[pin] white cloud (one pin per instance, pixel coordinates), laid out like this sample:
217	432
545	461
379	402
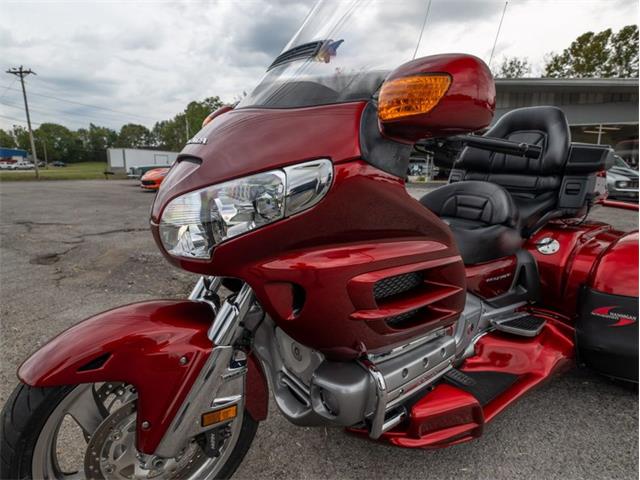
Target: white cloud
151	58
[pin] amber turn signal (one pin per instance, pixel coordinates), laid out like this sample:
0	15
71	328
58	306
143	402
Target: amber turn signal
217	416
414	95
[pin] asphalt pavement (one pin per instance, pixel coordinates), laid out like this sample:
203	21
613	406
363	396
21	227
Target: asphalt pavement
70	249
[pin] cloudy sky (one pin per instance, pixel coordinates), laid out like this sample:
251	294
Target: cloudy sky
114	62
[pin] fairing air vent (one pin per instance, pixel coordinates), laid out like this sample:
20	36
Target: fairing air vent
407	299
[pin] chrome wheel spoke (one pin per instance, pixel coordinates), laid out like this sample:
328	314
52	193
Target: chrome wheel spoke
126	462
87	411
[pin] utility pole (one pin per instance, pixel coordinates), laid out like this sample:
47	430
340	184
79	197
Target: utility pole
21	72
186	125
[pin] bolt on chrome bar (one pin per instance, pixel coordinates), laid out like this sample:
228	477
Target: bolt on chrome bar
223	330
377	422
204	286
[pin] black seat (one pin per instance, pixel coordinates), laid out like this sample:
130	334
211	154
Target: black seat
482	216
534	184
494	199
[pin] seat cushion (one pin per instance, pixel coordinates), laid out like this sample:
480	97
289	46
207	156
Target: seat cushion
482	202
485	243
482	216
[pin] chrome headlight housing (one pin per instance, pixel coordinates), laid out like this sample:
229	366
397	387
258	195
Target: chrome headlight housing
622	184
194	223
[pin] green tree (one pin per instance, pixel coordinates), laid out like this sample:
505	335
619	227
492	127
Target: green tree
513	67
172	134
101	138
603	54
62	144
196	112
6	139
623	62
95	140
134	136
21	137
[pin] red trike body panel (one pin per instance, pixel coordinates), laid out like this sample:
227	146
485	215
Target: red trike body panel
140	344
490	279
591	253
448	415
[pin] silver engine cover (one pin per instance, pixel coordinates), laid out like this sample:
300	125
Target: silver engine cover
310	390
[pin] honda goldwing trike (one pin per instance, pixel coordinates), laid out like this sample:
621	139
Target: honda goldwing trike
326	286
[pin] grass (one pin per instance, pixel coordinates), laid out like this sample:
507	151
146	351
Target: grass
73	171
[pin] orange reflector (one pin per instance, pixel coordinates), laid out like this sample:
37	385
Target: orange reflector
218	416
414	95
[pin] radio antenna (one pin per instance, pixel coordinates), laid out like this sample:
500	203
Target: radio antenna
495	42
426	15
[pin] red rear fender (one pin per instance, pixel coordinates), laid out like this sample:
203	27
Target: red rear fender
141	344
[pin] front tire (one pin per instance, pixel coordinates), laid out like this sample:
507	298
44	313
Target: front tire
32	415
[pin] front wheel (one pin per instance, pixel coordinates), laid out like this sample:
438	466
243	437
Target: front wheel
88	431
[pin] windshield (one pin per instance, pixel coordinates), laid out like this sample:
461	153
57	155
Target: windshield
345	48
335	56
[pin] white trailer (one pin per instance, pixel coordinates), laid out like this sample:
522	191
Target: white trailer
126	159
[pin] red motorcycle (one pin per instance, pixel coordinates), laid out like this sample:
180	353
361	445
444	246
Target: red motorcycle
409	322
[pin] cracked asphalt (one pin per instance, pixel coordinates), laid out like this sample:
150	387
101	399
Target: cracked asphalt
70	249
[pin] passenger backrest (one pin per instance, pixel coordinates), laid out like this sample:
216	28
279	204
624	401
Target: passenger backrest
521	176
534	184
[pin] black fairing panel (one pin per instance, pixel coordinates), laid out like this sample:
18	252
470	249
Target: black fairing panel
607	334
387	155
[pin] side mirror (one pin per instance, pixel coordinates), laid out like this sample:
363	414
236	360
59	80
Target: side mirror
439	95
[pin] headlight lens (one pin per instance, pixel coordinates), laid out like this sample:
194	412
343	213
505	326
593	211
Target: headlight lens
194	223
622	184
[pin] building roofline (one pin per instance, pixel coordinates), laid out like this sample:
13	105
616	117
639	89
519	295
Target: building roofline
569	82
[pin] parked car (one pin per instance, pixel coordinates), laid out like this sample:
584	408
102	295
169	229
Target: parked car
628	151
622	180
59	164
22	165
152	179
138	172
7	165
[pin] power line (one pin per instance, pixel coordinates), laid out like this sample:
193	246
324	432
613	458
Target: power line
6	89
17	119
89	105
91	116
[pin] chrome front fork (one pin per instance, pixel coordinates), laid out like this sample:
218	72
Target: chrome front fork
220	384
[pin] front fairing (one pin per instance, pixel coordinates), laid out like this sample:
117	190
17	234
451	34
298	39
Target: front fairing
246	141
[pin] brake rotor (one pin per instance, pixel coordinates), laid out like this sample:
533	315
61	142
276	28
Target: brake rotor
111	453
